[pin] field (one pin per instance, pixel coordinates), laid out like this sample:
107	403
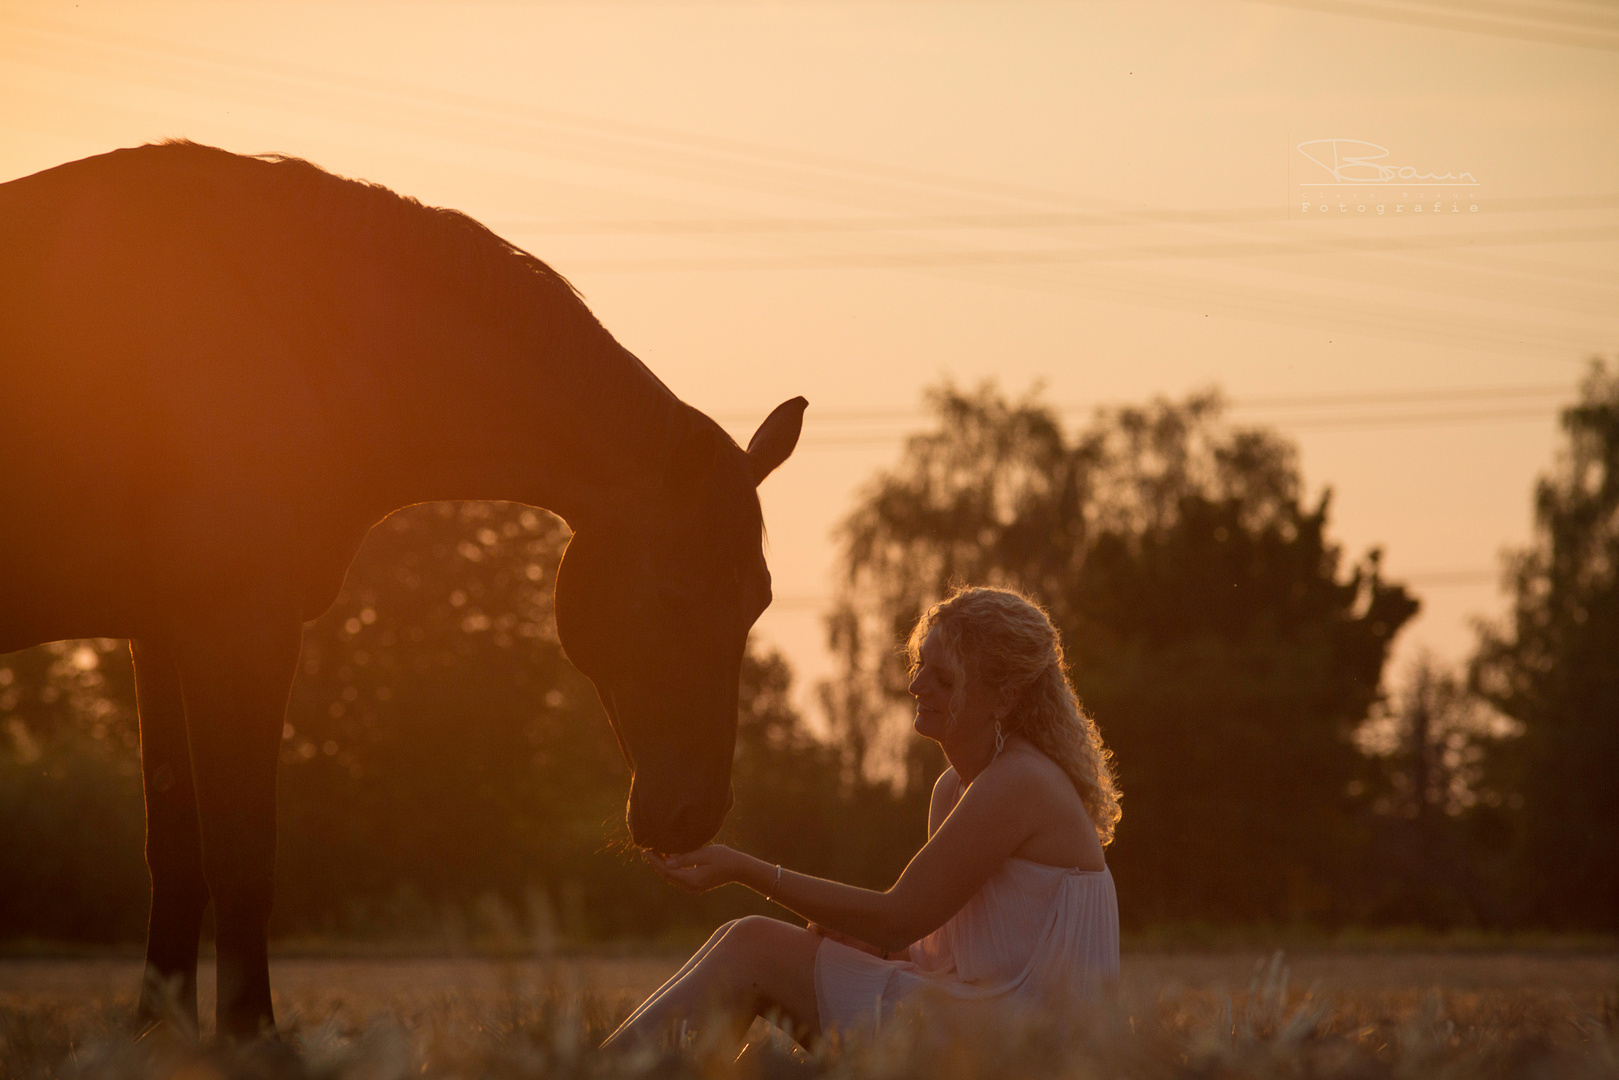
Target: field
1215	1014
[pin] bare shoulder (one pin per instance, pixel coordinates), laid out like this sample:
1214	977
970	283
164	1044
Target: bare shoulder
1024	774
1035	789
1021	763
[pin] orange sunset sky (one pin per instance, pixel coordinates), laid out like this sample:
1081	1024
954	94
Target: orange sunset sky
852	201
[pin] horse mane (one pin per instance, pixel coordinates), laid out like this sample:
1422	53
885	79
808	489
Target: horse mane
471	263
465	256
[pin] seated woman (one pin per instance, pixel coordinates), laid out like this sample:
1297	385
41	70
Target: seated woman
1009	901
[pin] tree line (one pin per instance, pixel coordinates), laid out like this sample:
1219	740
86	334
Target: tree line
446	775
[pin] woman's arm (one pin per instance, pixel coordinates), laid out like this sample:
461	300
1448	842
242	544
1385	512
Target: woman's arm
991	819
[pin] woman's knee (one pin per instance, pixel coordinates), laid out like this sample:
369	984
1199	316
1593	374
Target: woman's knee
743	942
714	939
754	930
775	960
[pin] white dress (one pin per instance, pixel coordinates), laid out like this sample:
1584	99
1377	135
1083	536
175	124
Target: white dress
1034	935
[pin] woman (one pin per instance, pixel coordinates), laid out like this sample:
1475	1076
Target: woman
1010	899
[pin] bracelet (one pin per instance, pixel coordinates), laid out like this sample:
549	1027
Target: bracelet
770	894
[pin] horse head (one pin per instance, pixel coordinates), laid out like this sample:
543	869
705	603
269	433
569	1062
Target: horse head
654	600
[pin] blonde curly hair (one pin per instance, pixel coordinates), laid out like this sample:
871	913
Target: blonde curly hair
1009	640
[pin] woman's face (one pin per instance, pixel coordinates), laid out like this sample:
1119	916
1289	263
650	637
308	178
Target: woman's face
934	685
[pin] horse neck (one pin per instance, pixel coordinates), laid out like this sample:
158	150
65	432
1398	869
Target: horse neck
567	420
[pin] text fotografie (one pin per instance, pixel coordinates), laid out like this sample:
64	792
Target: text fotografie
1399	208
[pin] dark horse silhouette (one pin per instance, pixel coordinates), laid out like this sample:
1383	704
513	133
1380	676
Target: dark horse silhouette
218	372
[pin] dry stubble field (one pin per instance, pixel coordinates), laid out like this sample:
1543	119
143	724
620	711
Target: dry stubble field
1320	1014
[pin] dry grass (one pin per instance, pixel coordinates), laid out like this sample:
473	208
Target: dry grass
1203	1015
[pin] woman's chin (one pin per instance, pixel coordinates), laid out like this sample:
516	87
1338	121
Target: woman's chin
929	726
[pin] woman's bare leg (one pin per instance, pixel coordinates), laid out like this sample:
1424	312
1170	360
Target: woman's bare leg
756	964
713	940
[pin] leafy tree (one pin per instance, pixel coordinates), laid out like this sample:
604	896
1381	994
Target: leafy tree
70	794
1553	665
1438	820
438	746
1200	602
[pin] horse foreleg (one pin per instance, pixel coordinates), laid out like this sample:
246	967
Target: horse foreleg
173	844
236	666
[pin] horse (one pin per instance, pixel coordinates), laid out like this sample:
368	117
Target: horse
218	372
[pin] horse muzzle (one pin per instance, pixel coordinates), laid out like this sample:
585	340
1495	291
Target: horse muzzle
676	822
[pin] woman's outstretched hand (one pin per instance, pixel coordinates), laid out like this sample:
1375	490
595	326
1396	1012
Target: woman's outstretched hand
701	870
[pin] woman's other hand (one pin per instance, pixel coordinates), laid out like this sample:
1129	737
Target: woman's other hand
701	870
845	939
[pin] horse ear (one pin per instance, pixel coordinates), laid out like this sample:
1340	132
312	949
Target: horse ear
776	437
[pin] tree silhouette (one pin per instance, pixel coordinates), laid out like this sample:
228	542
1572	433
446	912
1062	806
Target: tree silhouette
1204	616
1553	665
1438	819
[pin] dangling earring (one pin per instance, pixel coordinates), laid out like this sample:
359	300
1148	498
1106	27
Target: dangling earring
1000	740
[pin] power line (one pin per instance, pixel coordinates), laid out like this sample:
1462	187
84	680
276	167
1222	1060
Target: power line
286	75
292	77
1436	579
1333	423
416	96
1426	395
814	439
1564	299
1429	579
983	221
1296	308
675	151
719	160
1006	256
